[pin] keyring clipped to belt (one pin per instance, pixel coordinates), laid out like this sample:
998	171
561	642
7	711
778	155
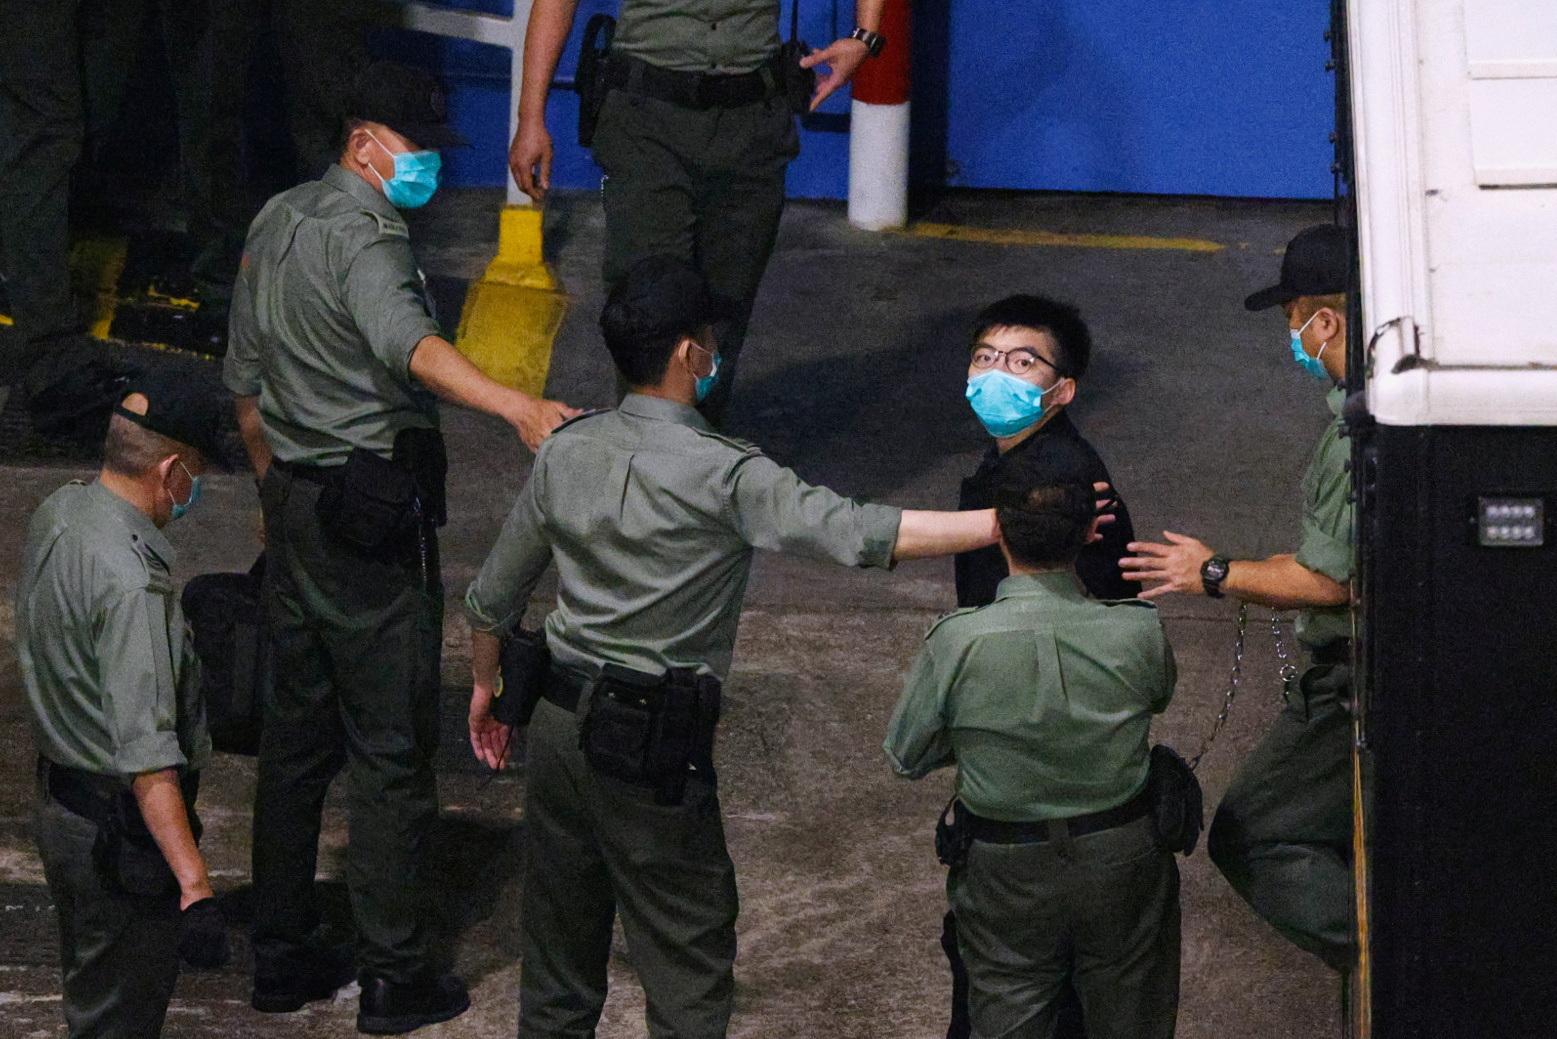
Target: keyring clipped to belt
1286	670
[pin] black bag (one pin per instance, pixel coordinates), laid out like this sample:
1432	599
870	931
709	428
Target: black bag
952	838
225	613
523	661
77	405
798	83
372	503
1178	807
126	856
590	81
651	730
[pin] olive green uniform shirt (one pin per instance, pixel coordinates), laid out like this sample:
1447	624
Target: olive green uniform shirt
1329	541
715	36
1043	699
326	312
651	518
110	674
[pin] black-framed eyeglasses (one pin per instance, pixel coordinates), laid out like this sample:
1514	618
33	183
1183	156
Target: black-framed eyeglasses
1018	361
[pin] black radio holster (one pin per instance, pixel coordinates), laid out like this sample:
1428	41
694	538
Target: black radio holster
651	730
952	837
523	661
590	81
1177	804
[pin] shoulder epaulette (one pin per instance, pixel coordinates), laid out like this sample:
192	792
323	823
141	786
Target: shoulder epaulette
1129	602
388	225
943	618
580	418
746	447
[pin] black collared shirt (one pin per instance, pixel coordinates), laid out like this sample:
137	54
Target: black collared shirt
1057	452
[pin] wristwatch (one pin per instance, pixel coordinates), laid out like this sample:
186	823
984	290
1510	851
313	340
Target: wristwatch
1212	573
873	41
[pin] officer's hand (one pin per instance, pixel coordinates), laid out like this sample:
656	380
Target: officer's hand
535	419
203	945
1176	565
1105	506
489	738
842	59
529	159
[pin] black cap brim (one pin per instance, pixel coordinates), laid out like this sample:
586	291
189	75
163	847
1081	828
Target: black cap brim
431	136
1275	296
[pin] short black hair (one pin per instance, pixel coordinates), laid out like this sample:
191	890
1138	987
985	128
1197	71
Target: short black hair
1045	525
1041	314
655	305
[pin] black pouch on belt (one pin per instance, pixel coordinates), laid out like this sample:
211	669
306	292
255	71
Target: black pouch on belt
590	81
798	83
618	730
683	738
1178	807
125	855
523	661
420	451
371	504
952	838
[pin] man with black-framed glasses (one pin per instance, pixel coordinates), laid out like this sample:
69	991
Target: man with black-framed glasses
1027	355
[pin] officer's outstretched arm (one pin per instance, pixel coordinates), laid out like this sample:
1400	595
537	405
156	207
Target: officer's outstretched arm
448	373
922	535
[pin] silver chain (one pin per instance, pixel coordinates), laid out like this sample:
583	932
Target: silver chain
1232	687
1286	670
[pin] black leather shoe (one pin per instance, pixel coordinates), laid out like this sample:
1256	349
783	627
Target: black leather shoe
284	984
392	1007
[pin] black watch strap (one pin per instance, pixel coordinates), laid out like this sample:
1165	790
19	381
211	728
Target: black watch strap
1212	573
873	41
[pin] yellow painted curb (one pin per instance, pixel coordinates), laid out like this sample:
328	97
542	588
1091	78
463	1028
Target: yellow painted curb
994	236
512	314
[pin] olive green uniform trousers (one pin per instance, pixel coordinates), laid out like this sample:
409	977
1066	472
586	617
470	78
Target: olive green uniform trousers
356	645
1102	909
118	953
1282	835
598	848
705	186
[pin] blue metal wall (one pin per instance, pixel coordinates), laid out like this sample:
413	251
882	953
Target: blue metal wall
1207	97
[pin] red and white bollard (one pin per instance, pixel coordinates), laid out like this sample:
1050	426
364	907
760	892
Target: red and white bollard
878	130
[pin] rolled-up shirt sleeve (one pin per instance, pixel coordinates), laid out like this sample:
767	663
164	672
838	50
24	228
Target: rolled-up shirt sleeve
140	698
241	368
385	296
917	742
497	598
1327	546
775	509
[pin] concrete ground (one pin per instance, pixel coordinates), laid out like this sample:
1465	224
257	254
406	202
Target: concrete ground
853	375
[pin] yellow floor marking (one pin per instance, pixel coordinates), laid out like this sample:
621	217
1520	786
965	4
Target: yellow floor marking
994	236
97	263
5	319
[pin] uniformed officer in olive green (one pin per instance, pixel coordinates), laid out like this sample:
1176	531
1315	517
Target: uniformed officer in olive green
694	138
113	691
651	518
1283	833
1043	701
334	354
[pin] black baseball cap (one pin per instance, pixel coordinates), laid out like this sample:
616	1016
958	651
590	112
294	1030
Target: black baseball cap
661	296
407	100
182	409
1318	262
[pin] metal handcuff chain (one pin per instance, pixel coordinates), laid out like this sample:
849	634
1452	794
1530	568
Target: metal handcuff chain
1286	670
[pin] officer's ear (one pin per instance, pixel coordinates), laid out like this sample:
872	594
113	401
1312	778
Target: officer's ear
1327	324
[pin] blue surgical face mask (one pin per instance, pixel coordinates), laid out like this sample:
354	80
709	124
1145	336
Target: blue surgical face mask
179	508
1312	365
705	385
415	179
1005	404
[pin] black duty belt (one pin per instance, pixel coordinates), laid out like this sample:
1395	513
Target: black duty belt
86	794
697	90
564	687
993	831
1338	651
323	475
